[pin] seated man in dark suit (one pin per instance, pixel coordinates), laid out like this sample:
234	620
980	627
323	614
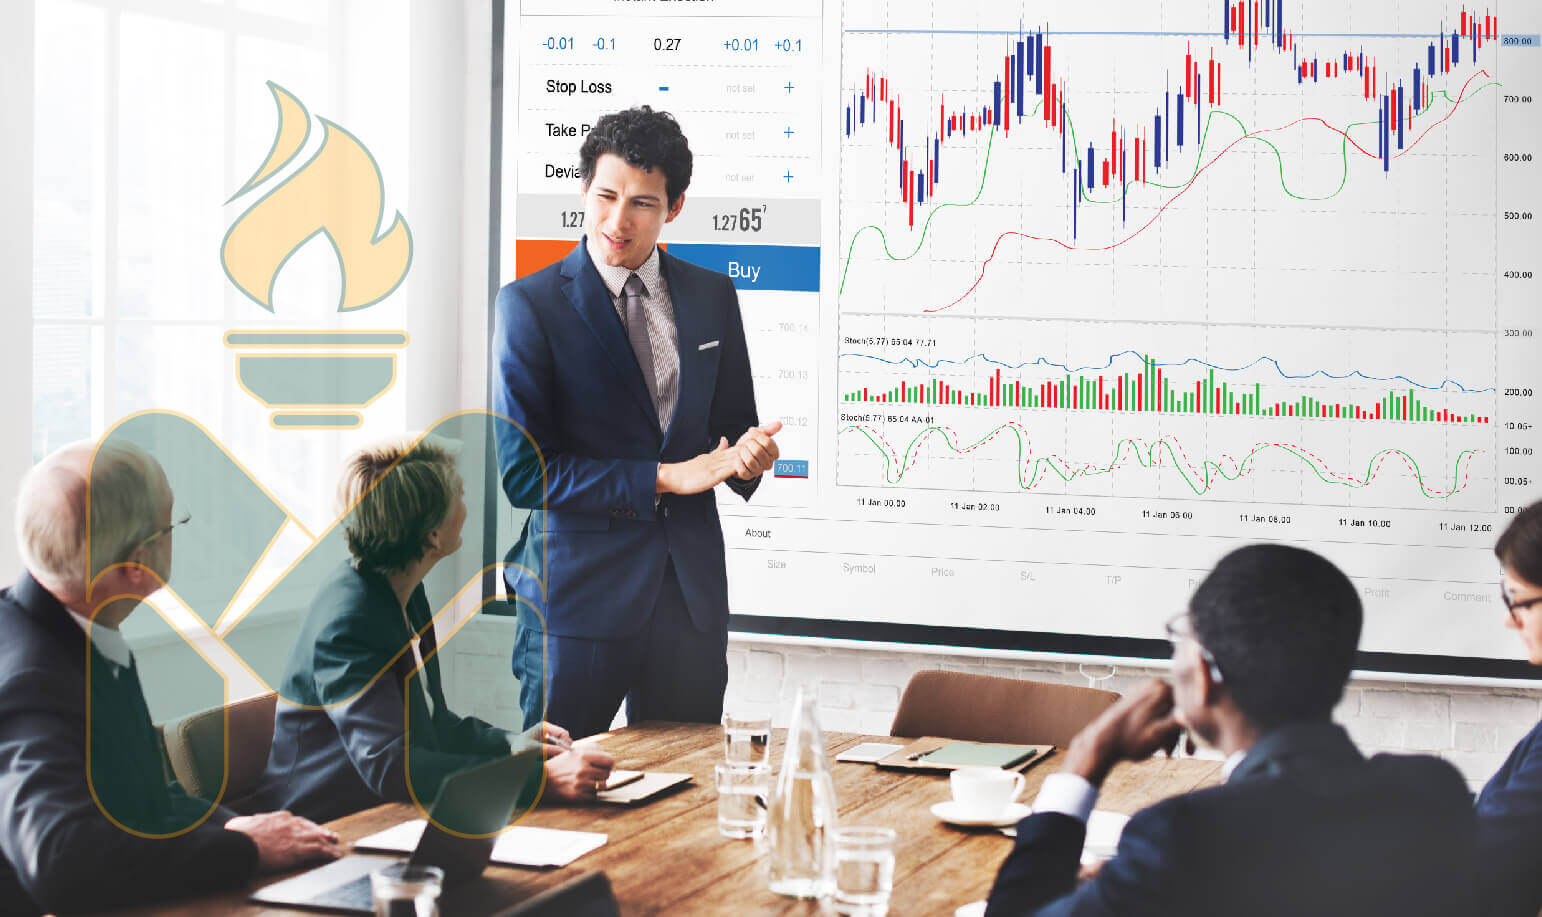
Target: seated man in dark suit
1304	824
350	703
73	825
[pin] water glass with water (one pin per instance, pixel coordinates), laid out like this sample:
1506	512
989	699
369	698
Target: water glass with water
746	738
406	890
741	794
864	870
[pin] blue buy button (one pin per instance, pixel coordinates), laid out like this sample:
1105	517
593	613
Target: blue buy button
793	268
791	468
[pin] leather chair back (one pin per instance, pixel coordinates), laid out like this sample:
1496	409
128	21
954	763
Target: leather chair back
195	747
985	708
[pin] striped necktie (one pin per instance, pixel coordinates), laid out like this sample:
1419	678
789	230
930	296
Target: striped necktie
637	333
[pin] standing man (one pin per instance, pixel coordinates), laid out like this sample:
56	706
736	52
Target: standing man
628	372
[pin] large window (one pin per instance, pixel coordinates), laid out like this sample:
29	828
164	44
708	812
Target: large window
149	116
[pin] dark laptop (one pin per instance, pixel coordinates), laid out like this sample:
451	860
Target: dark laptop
589	895
473	804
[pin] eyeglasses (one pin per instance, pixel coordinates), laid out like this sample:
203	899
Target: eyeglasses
1511	605
1182	631
163	530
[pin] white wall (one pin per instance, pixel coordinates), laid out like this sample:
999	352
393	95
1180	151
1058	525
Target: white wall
1472	727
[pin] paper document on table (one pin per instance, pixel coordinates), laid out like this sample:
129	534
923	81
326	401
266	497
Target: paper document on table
649	786
518	846
868	753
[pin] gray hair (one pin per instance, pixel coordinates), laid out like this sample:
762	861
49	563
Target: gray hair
61	514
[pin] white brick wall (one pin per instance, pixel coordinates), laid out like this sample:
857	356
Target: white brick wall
859	689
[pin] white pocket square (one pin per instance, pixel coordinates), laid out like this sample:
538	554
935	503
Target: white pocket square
708	346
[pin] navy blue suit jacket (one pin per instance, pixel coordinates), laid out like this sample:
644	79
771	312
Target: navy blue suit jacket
567	376
1305	825
61	853
1510	832
350	705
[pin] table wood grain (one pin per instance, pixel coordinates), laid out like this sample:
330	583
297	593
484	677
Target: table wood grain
666	856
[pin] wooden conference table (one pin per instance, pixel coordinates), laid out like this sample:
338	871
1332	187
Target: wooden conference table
666	855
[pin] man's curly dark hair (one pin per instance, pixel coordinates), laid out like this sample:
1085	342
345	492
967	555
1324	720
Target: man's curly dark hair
644	138
1283	624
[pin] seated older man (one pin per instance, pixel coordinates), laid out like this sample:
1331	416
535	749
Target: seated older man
89	822
362	683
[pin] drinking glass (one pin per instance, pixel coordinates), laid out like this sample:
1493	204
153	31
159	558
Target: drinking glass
741	794
864	870
746	738
406	890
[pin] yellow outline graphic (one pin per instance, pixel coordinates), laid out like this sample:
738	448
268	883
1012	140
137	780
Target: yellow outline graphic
223	627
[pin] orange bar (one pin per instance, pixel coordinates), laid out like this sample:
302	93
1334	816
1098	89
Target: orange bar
531	255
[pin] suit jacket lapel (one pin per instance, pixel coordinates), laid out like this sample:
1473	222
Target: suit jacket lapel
589	297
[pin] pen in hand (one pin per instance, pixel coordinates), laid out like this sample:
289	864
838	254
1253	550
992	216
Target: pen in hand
555	738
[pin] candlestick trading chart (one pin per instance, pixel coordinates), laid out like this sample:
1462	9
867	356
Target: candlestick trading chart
1107	290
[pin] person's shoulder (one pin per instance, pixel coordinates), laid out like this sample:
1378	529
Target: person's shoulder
1529	748
27	642
1434	779
537	283
345	594
36	668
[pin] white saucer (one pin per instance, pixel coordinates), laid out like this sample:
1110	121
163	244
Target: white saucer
1011	815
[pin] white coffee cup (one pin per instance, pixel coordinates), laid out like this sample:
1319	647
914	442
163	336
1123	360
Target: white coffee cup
983	792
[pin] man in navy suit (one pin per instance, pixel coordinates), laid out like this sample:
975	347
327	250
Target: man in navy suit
1303	824
626	369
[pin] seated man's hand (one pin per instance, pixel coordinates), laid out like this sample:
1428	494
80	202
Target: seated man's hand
285	841
703	472
579	773
1131	730
554	738
757	451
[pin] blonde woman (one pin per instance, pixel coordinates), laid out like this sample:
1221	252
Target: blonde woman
344	747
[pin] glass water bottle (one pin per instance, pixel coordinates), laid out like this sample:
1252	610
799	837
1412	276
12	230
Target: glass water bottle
802	810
